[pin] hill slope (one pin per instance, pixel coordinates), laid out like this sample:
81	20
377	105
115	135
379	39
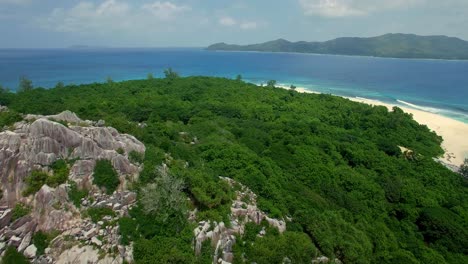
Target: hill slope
389	45
330	167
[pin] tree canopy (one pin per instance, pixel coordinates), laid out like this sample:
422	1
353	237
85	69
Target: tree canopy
330	165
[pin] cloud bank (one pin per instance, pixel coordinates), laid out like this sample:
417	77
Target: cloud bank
346	8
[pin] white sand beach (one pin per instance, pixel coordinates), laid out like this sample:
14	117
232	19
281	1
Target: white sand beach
453	132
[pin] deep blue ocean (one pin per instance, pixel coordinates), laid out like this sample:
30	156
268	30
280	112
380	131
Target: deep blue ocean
438	86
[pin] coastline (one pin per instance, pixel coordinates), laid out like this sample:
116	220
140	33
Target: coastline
452	131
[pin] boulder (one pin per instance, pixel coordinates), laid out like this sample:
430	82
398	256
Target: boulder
30	252
91	233
25	242
5	218
96	241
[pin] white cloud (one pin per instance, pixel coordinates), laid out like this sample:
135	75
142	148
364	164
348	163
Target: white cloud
110	16
249	25
227	21
344	8
165	10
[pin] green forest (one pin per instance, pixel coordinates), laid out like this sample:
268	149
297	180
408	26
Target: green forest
332	166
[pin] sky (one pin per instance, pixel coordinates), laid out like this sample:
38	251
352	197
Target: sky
198	23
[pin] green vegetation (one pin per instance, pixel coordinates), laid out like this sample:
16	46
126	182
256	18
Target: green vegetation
8	118
170	74
388	45
105	176
164	198
42	240
60	175
271	83
12	256
464	169
136	157
60	85
75	195
274	248
19	211
330	164
97	213
128	230
25	84
34	182
37	179
121	151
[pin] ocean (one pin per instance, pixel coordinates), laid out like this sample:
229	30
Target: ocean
438	86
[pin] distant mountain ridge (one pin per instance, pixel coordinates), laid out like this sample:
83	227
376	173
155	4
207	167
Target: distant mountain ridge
388	45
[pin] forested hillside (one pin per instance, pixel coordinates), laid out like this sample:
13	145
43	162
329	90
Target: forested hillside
388	45
330	165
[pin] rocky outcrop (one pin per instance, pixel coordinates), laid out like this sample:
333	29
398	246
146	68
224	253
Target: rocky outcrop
40	140
35	144
243	210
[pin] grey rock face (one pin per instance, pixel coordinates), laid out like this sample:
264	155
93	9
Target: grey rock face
243	210
39	142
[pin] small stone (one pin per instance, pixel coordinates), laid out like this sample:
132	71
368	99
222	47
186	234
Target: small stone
5	218
100	123
96	241
15	241
100	223
92	232
121	250
30	251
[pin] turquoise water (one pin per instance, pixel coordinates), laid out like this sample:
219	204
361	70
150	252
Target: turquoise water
437	86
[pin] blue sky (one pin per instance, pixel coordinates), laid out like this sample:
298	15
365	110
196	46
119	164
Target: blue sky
163	23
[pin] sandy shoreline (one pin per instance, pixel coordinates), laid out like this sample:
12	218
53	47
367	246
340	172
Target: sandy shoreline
453	132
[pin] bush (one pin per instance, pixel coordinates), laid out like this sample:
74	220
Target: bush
75	195
105	176
42	240
128	230
19	211
165	197
8	118
97	213
34	182
136	157
12	256
60	175
38	178
121	151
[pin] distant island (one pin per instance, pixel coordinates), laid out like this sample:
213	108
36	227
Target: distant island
388	45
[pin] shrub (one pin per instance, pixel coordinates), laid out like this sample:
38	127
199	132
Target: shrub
164	198
38	178
25	84
12	256
136	157
127	229
97	213
42	240
60	175
105	176
170	74
8	118
75	195
19	211
34	182
121	151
